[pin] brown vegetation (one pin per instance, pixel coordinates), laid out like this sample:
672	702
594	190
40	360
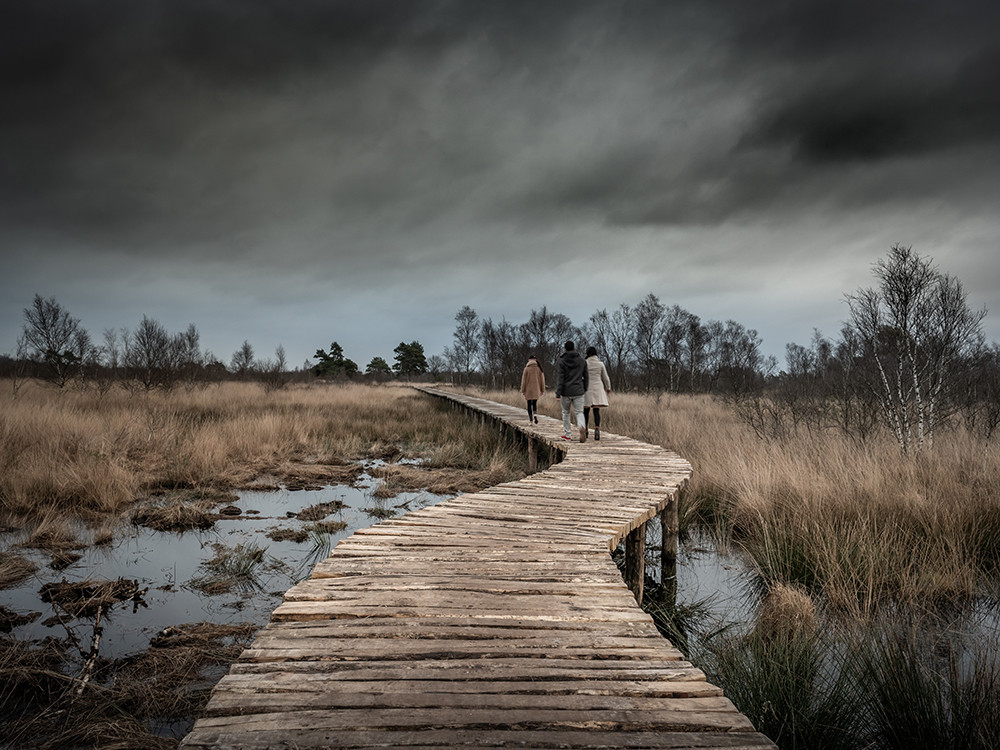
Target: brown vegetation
46	706
91	456
857	524
320	510
14	569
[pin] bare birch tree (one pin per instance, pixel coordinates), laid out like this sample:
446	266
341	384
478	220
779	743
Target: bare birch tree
917	331
466	348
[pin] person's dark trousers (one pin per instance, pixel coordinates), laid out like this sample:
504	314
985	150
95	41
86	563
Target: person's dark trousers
532	408
597	416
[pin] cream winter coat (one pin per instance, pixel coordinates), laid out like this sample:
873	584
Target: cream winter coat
599	383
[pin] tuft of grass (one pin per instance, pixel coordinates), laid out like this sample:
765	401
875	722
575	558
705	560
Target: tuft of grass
327	527
320	511
175	513
288	535
789	684
925	691
678	622
14	569
86	598
236	567
52	533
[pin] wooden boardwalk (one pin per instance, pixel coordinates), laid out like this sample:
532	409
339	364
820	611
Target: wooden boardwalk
495	619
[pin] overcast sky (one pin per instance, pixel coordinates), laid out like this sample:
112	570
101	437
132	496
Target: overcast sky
310	171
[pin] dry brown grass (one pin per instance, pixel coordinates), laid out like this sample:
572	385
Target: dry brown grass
41	706
858	524
52	532
91	457
14	569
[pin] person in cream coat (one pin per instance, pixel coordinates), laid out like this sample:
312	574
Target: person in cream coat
598	388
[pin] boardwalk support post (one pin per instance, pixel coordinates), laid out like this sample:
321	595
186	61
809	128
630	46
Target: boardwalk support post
532	454
669	528
635	560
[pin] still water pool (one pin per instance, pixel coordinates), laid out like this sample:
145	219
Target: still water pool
167	564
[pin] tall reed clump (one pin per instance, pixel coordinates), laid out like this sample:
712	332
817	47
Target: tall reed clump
782	674
924	691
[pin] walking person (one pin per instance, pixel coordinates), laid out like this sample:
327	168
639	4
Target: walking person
532	386
598	388
571	384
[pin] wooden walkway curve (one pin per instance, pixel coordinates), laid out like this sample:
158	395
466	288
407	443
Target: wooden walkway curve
494	619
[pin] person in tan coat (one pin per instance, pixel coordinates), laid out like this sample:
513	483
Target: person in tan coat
598	388
532	386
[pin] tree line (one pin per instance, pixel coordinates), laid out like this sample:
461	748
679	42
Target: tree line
55	347
648	346
910	358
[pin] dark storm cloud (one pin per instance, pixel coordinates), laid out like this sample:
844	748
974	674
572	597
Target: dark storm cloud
186	120
877	80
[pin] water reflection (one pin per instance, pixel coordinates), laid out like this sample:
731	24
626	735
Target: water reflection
171	565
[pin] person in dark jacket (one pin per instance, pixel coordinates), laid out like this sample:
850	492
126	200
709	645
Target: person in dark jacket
572	380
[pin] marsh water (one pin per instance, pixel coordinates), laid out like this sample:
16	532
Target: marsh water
169	564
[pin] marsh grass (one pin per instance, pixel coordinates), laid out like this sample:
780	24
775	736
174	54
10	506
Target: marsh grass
847	541
790	683
860	526
320	511
14	569
238	567
90	457
930	692
41	707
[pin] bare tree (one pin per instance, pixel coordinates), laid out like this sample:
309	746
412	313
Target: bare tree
739	364
274	372
52	335
151	355
621	324
19	370
190	358
466	336
541	337
87	355
242	362
917	330
697	340
648	324
674	331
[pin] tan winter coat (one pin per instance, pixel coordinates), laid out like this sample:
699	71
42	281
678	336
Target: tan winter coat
532	381
598	383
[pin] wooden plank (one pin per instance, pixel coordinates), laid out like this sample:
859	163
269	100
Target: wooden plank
303	737
630	720
325	682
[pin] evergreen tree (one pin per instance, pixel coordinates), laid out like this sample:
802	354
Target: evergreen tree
410	359
334	364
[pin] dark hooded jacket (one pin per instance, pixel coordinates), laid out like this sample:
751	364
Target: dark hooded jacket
571	375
